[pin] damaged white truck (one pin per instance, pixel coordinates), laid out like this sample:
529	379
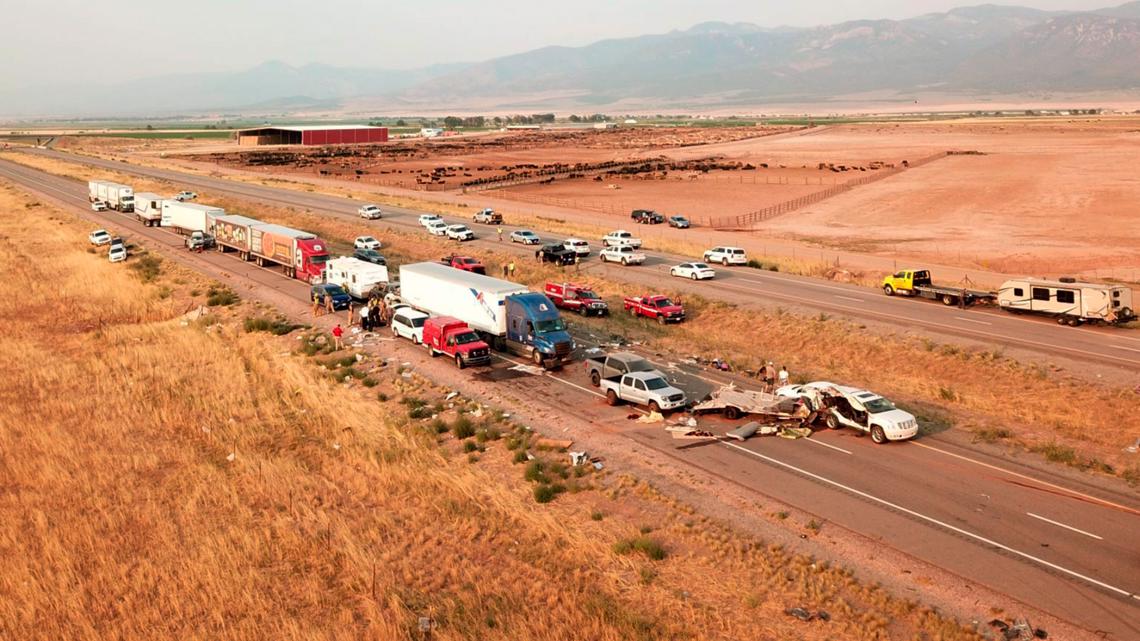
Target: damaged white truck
839	406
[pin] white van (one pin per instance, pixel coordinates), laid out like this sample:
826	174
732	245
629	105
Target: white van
1070	301
356	276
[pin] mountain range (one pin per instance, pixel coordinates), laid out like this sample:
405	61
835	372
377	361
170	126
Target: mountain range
978	50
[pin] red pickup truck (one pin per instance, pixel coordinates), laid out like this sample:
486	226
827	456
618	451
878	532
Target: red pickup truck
657	307
576	298
451	336
466	263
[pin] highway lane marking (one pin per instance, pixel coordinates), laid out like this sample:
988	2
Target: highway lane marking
857	300
930	519
857	311
1087	497
1067	527
970	320
839	449
1131	349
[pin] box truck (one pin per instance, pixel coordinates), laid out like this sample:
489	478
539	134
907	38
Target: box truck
356	276
303	255
118	197
148	208
507	315
185	218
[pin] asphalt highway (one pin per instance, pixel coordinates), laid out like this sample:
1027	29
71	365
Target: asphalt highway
1111	347
1051	541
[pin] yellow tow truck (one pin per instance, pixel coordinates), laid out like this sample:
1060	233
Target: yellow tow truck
917	283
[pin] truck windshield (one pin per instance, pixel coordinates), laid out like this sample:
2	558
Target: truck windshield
319	259
664	302
554	325
585	293
639	365
467	337
878	405
656	383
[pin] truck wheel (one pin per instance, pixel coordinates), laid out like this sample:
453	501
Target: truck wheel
632	311
431	351
948	300
654	407
624	261
583	311
724	261
877	435
611	397
660	319
459	362
536	356
888	290
595	379
731	413
832	421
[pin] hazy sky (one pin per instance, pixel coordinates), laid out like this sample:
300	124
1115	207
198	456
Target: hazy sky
54	41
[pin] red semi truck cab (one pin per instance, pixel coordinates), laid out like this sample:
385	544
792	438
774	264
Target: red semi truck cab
451	336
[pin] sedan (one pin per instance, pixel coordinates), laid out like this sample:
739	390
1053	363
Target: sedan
99	237
437	228
526	237
369	212
680	222
460	232
365	242
695	271
325	291
426	219
98	205
370	256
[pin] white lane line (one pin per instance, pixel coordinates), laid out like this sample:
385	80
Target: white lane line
839	449
1067	527
855	300
970	320
930	519
1131	349
1088	497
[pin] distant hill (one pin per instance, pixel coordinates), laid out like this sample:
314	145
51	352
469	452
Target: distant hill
985	49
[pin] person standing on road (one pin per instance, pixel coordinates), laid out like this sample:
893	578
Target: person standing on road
351	315
769	372
577	263
337	333
366	317
511	269
783	375
504	270
329	309
500	233
316	305
538	255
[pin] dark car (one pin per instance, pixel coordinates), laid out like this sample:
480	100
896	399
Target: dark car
340	298
370	256
646	217
680	222
557	254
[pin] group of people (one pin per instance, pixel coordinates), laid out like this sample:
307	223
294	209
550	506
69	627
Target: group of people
374	314
321	304
774	378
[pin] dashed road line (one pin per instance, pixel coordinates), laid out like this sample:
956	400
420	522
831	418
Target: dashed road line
1067	527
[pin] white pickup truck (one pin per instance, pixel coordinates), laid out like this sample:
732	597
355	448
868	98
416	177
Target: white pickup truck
621	237
643	388
624	254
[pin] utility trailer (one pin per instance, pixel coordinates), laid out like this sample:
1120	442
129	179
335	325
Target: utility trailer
917	283
734	402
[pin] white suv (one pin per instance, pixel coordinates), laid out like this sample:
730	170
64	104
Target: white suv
578	246
840	406
409	323
726	256
365	242
369	212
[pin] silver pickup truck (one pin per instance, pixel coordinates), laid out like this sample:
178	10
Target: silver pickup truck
616	364
649	389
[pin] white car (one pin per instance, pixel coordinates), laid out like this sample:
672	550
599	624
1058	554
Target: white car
525	236
98	205
99	237
578	246
365	242
437	228
695	271
842	406
185	195
621	237
369	212
624	254
408	323
460	232
118	251
426	219
726	256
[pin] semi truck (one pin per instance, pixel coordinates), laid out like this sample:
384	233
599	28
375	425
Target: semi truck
186	218
356	276
117	196
303	255
506	315
1067	300
148	208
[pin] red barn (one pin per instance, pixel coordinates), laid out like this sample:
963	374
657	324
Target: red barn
313	135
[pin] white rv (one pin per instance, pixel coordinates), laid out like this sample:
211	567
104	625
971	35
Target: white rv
1071	302
356	276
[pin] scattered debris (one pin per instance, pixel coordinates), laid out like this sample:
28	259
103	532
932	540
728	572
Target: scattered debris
195	314
554	444
652	417
579	458
1018	630
734	403
450	396
1134	448
529	369
799	613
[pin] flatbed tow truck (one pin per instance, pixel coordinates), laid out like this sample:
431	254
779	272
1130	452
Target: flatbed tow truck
917	283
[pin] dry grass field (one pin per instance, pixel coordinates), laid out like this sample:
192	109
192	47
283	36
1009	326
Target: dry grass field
171	480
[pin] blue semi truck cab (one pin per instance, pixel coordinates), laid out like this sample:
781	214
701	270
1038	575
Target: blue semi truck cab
535	327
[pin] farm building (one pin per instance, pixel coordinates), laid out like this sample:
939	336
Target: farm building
313	135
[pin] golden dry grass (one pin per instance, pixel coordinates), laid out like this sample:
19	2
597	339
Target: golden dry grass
170	480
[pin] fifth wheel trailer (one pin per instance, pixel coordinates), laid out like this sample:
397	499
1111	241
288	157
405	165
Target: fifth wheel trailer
508	315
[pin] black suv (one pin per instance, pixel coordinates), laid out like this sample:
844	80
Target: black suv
646	217
370	256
